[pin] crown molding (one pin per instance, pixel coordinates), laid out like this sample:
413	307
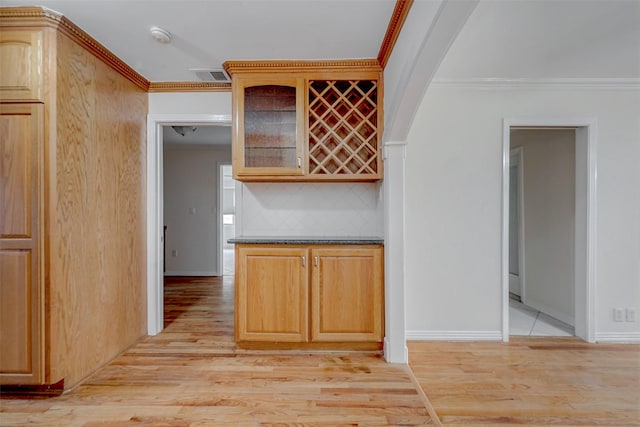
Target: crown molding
538	84
189	87
399	15
43	17
294	66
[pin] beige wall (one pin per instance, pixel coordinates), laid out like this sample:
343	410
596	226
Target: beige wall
191	182
549	211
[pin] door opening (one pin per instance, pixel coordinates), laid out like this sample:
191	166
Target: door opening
155	204
542	190
571	258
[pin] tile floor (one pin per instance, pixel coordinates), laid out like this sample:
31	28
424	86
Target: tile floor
524	320
228	267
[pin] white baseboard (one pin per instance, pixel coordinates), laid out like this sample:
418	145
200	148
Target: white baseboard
191	273
454	335
618	337
563	317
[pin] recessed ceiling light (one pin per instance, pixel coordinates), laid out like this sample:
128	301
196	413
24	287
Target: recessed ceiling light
160	34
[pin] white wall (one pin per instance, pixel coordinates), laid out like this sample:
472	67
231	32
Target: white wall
190	103
190	209
311	209
453	205
549	159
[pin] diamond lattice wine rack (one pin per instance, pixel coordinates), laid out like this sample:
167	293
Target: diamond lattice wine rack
343	127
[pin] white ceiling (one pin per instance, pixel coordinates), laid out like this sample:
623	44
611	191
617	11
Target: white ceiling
208	32
544	39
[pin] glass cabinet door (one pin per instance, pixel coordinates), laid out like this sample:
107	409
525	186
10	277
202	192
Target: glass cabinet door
270	129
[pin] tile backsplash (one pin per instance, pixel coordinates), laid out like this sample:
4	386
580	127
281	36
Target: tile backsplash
311	209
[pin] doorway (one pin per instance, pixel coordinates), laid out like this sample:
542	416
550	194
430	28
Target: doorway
155	204
542	190
576	266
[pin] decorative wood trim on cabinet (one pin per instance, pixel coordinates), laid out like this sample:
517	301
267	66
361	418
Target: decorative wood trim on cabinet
400	13
189	87
40	17
292	67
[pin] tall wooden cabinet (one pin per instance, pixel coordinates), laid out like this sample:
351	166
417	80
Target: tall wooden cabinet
72	179
309	295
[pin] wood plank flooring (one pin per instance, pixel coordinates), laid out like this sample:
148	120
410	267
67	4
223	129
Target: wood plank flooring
191	375
533	381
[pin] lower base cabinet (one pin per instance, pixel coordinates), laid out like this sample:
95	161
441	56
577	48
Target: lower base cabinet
298	296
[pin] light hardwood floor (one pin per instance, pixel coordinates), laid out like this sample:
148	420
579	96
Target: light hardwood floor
191	375
533	381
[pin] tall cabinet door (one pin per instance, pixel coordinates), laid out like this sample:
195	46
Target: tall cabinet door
347	289
271	294
21	337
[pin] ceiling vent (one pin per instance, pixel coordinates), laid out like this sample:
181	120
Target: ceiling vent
212	75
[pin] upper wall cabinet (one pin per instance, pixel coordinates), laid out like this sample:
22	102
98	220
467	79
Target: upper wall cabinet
307	121
21	70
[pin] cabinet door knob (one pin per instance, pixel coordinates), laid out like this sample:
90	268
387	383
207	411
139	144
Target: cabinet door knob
304	261
315	260
299	162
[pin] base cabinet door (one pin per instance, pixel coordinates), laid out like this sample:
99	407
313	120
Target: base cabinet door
346	287
271	294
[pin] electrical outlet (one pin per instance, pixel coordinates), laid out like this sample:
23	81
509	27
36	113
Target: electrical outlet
618	314
174	253
631	314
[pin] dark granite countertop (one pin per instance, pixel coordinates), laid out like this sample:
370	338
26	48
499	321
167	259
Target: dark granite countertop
308	240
